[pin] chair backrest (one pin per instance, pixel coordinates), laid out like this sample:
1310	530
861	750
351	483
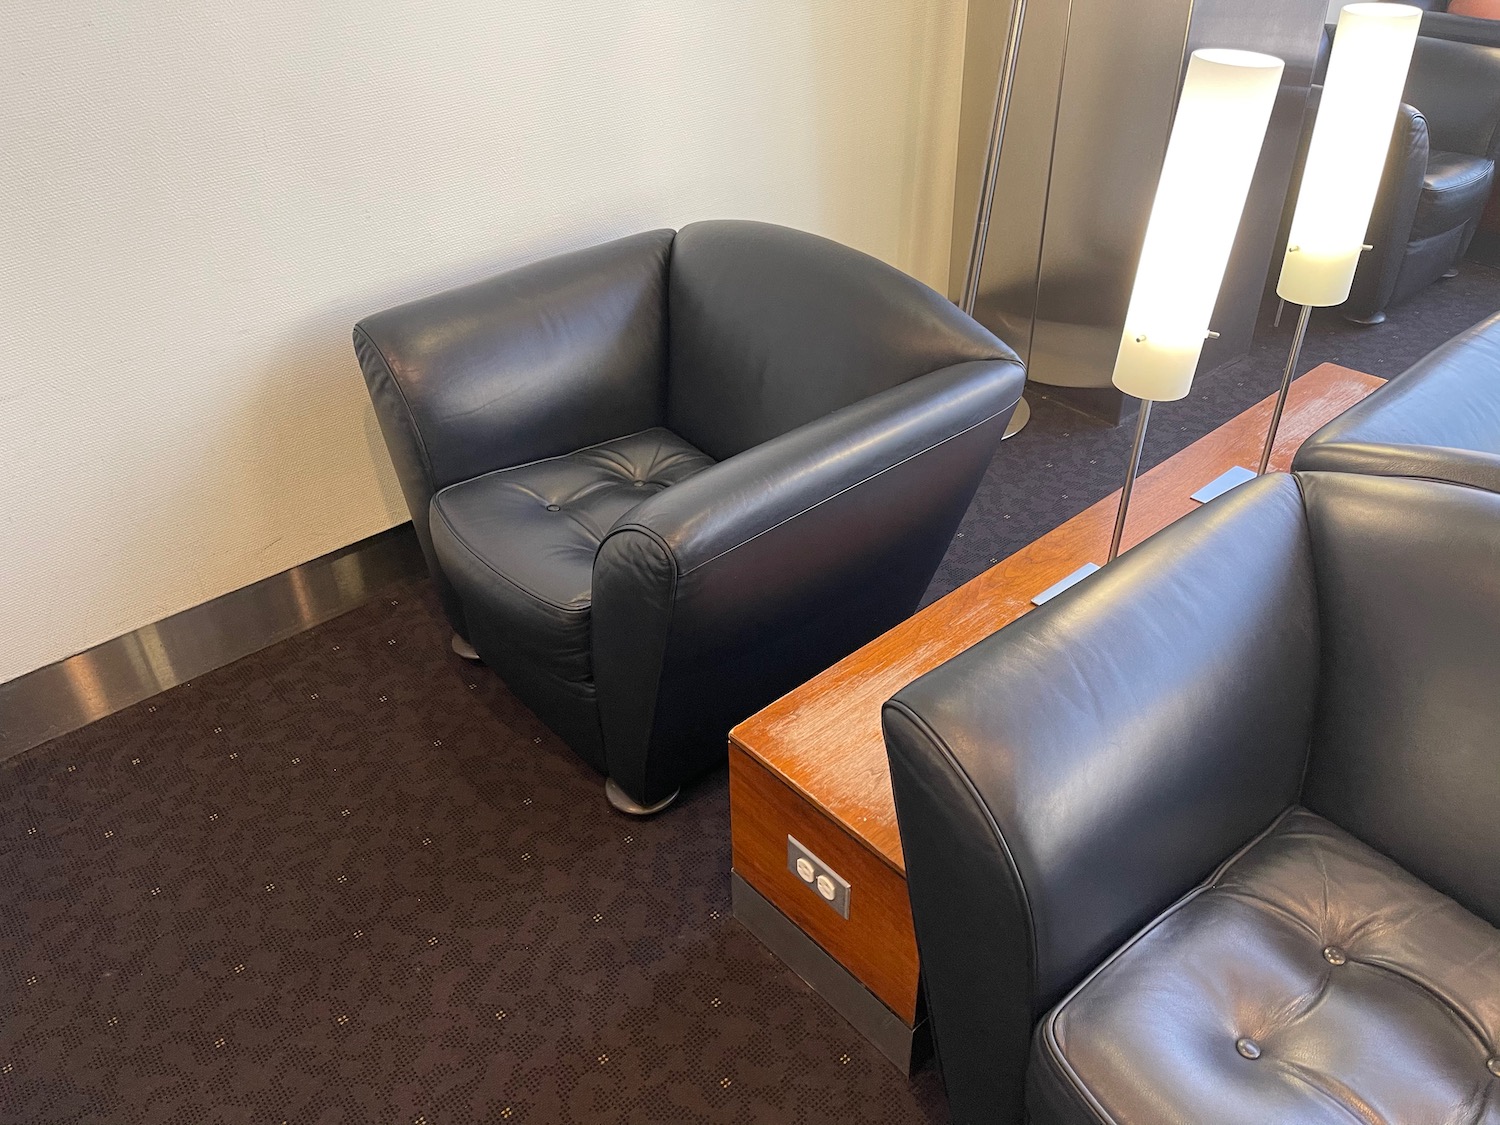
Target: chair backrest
1066	779
1457	88
771	328
1406	745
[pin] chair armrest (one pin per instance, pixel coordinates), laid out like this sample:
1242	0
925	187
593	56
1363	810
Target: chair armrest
1439	419
1395	210
1422	462
766	568
534	363
1066	779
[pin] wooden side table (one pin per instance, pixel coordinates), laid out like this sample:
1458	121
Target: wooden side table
808	775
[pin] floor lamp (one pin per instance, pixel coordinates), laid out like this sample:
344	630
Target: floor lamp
1009	56
1205	179
1366	74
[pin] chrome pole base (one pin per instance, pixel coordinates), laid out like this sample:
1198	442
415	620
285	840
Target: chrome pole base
621	801
1018	420
464	648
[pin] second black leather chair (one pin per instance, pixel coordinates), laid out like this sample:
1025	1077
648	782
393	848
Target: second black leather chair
1211	837
662	481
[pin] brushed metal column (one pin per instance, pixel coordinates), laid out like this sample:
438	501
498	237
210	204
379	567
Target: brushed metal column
1004	88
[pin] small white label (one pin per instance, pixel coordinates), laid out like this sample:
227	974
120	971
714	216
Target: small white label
805	869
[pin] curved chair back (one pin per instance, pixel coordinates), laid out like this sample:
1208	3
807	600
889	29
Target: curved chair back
772	328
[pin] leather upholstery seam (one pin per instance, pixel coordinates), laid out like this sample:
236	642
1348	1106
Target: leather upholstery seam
585	449
825	500
1312	563
1397	474
1480	1033
1474	177
1301	1075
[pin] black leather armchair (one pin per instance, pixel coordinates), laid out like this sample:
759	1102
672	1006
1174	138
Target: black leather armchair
1439	419
1211	837
1437	178
662	481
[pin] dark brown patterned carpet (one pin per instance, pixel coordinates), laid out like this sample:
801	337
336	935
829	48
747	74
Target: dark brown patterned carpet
350	880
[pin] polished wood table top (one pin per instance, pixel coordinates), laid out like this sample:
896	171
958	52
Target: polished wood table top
823	739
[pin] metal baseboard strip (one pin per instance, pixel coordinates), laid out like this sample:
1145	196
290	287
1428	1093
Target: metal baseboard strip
109	677
907	1047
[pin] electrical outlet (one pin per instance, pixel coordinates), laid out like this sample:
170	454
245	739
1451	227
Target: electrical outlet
817	876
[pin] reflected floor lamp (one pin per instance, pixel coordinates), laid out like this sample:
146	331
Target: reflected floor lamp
1010	54
1372	51
1216	140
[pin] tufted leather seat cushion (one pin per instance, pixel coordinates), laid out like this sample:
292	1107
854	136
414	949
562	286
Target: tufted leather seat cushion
538	527
1310	980
1454	192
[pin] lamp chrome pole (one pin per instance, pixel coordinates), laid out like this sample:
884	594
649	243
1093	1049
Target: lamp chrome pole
1004	87
1286	385
1130	472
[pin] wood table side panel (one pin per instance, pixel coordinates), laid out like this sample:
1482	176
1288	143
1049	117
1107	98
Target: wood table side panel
824	738
877	943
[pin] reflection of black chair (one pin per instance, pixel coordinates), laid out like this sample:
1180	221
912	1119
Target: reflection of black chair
662	481
1437	178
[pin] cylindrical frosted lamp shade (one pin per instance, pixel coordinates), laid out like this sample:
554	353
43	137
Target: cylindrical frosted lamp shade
1215	144
1366	74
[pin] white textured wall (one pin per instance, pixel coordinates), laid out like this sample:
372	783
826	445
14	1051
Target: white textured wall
198	199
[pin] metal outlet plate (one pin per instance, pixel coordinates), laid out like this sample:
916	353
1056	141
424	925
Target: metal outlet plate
820	879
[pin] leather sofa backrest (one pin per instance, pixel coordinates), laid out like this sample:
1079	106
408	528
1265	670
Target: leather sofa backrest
771	328
1438	419
1165	707
1456	86
1406	749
